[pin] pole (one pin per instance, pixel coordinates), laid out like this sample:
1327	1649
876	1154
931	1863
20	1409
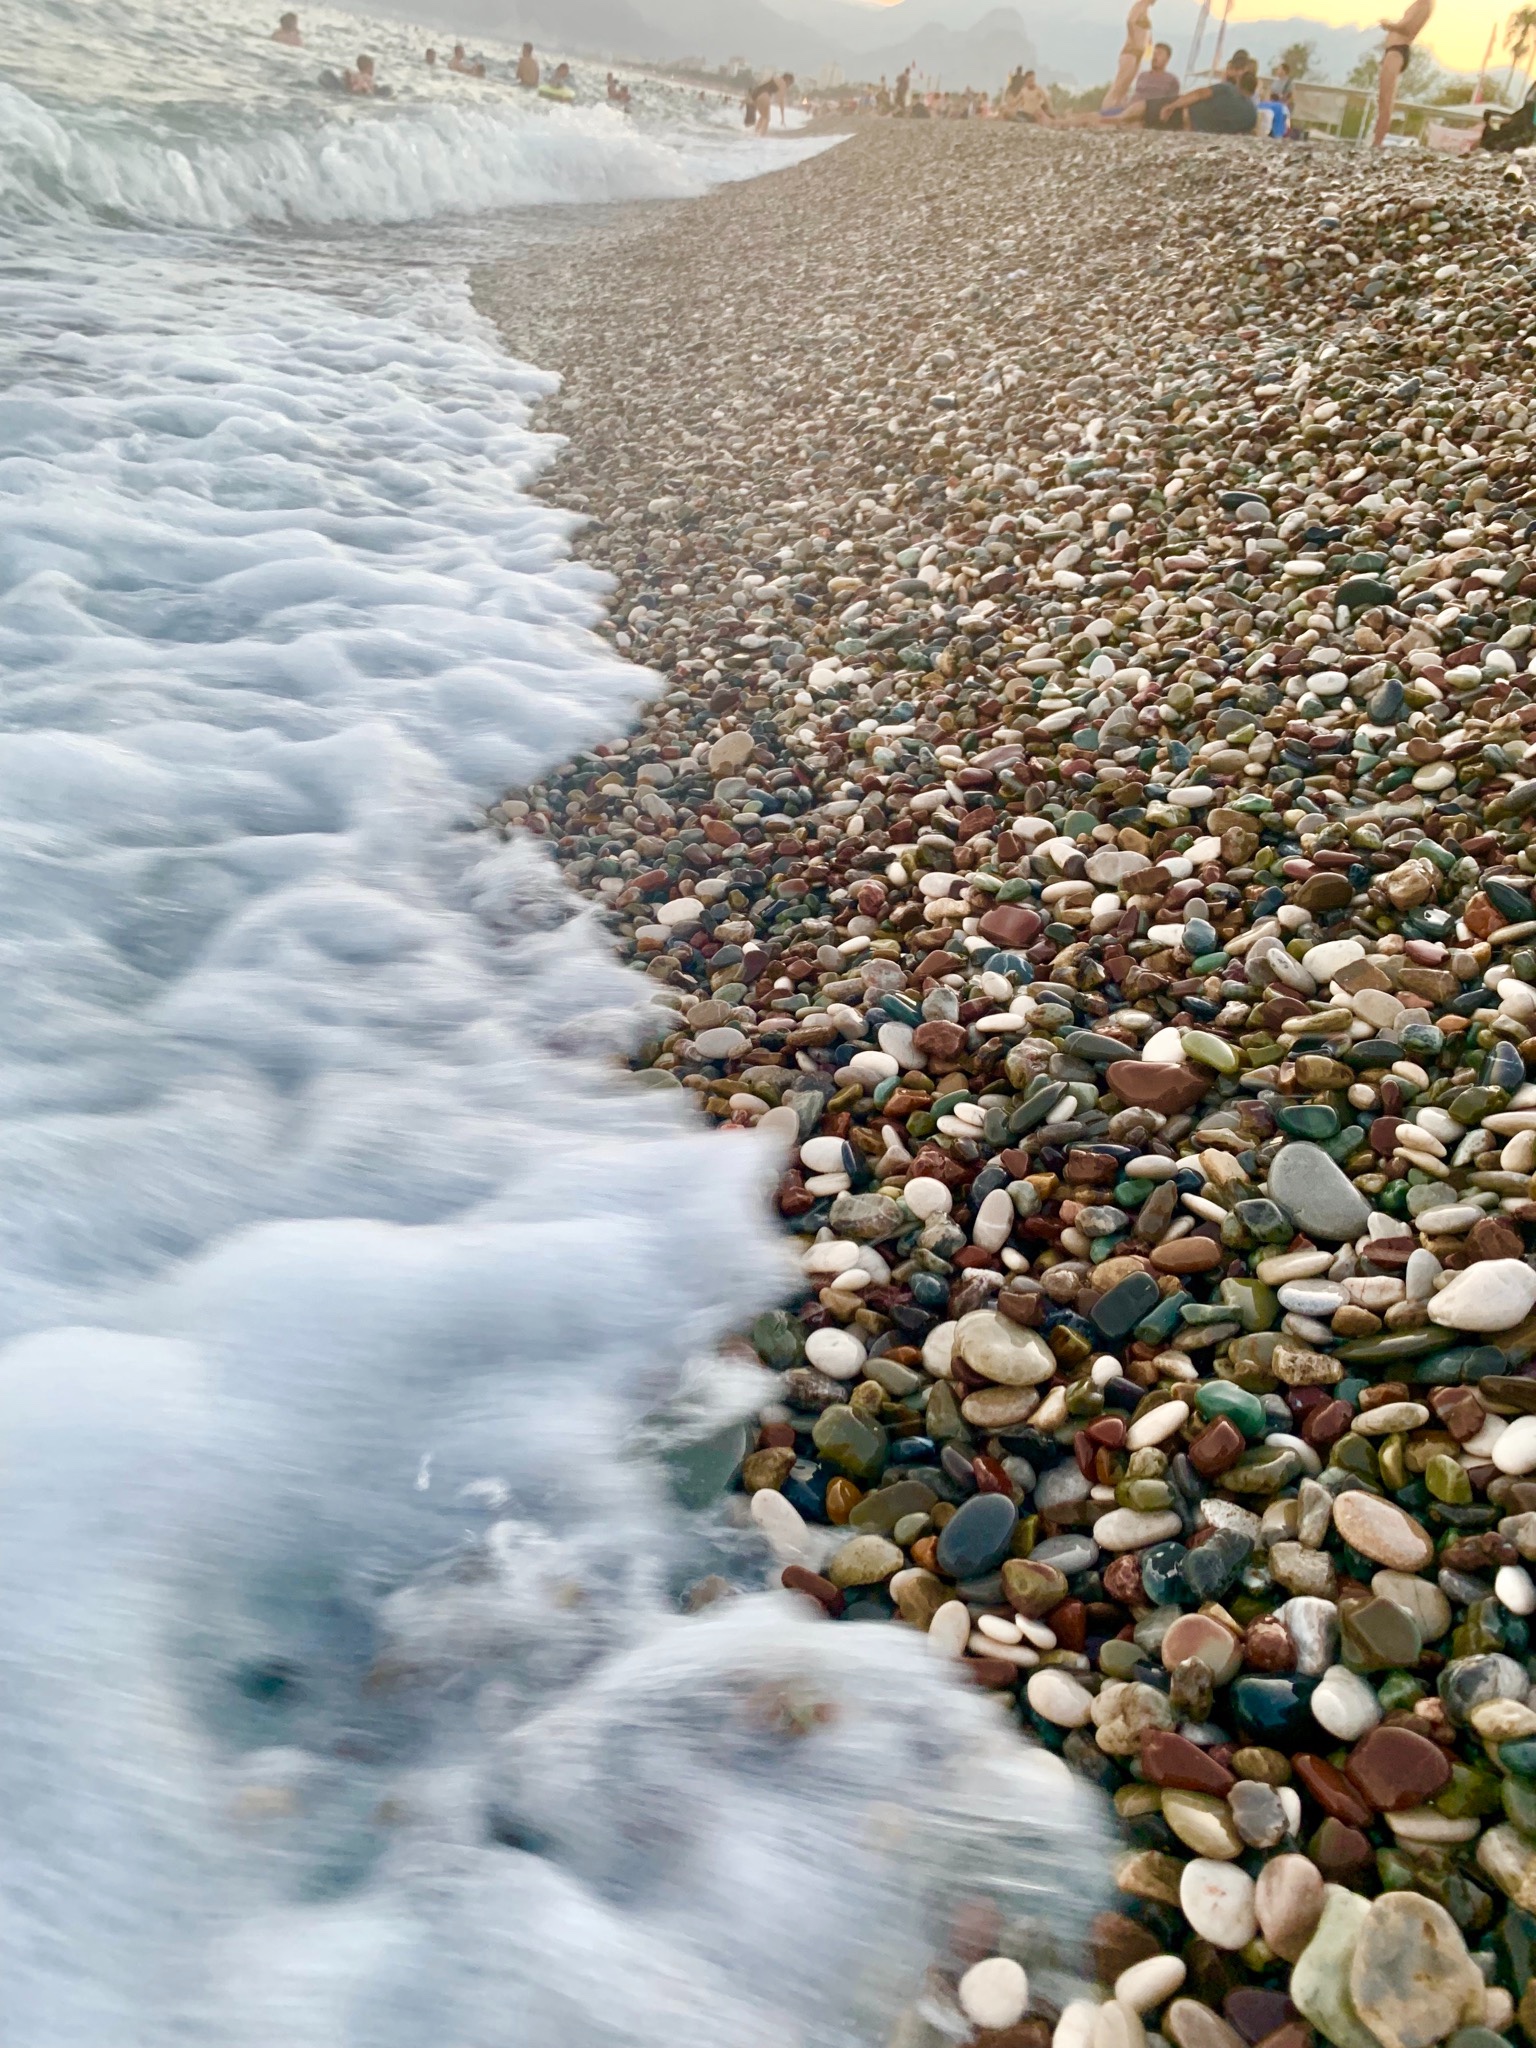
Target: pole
1199	37
1482	74
1221	36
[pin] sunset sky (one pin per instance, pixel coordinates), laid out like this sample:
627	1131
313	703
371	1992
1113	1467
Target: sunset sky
1458	34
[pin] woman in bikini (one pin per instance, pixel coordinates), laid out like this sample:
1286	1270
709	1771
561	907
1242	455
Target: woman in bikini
1401	36
1138	33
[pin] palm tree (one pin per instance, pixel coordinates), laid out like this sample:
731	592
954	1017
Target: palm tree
1519	35
1299	59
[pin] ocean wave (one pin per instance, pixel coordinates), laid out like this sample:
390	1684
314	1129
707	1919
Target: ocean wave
356	1317
325	165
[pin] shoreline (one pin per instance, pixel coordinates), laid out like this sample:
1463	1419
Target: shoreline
981	493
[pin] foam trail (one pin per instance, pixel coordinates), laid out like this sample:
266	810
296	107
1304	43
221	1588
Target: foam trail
355	1310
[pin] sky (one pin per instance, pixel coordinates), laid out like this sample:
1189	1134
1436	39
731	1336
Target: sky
1457	35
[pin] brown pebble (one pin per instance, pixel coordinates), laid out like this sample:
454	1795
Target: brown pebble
1395	1768
1333	1792
1173	1760
801	1580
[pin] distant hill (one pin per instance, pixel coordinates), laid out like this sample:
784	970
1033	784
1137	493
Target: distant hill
958	42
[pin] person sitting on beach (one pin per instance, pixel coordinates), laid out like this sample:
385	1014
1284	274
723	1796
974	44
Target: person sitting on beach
1025	99
1225	108
287	32
361	79
1153	92
527	67
1138	33
1505	133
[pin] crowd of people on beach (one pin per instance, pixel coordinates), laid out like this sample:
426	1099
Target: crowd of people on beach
360	79
1238	97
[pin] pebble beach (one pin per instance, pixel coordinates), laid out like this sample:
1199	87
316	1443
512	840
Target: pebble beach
1085	824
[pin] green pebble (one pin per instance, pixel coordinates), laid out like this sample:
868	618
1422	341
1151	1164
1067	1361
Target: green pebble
909	1528
1519	1757
1317	1121
1146	1496
1119	1660
1210	1050
1447	1481
1219	1397
854	1446
1257	1306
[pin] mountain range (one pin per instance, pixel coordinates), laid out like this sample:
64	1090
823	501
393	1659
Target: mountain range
955	42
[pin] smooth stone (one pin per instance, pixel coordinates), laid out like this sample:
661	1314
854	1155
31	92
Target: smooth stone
1421	1598
783	1527
926	1197
1203	1823
1382	1531
1127	1529
1217	1900
994	1993
1515	1451
1189	2024
1495	1294
976	1538
1320	1979
1289	1900
1312	1623
1057	1697
1323	961
1344	1704
1202	1636
1116	1314
866	1561
837	1353
1467	1683
1317	1195
949	1631
1164	1086
1003	1351
1258	1814
1397	1769
1411	1979
1150	1983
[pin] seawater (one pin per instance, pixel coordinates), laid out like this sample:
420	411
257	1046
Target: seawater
359	1314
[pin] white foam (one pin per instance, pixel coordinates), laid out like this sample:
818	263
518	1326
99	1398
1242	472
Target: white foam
375	165
348	1290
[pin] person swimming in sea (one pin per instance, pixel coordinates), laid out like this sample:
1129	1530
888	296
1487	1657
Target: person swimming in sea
431	60
360	80
287	32
458	61
527	67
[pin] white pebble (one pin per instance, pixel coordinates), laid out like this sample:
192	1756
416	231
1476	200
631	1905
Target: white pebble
994	1221
1218	1902
950	1629
994	1993
1075	2027
1345	1704
1515	1589
927	1197
1057	1697
837	1353
783	1526
1149	1983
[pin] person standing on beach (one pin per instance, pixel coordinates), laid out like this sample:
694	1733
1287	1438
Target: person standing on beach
1401	37
1138	33
759	104
903	87
527	66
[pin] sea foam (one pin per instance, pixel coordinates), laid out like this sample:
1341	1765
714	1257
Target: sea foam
358	1311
